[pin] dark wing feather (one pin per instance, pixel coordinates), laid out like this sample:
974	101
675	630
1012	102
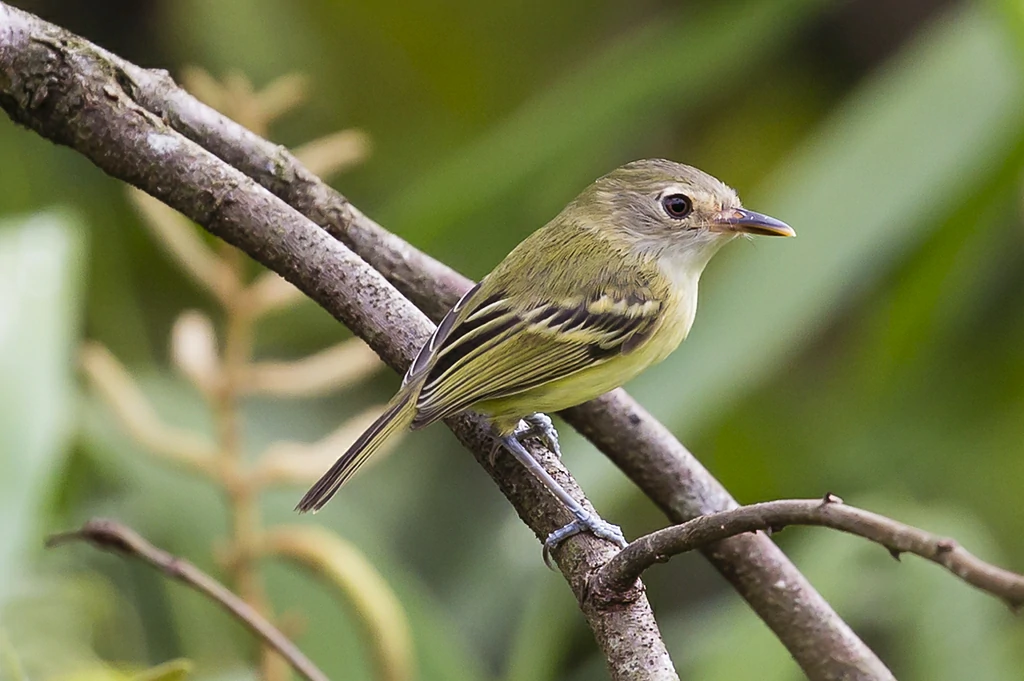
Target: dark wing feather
438	338
492	349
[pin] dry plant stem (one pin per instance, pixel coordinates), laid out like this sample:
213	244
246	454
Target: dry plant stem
302	464
344	364
177	235
129	404
627	566
243	494
245	519
239	307
819	640
70	92
112	536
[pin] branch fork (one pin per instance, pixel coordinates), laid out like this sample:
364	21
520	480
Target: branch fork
618	577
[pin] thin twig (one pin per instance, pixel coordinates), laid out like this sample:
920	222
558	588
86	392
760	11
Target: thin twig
619	574
110	535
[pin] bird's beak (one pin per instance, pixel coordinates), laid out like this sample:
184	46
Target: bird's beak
749	222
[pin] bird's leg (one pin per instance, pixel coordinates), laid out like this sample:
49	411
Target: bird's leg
585	520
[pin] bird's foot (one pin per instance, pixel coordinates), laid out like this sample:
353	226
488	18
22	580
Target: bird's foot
540	427
535	426
585	522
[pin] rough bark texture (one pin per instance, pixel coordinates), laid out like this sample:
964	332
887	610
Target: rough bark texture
138	126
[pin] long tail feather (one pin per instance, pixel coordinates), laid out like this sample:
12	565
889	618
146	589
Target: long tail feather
397	416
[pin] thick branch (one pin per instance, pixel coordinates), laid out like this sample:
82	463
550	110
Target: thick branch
115	537
619	574
72	93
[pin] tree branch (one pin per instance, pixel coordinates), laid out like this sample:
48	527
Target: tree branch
75	94
619	574
109	535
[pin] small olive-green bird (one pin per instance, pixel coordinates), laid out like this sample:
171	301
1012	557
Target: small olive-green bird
583	305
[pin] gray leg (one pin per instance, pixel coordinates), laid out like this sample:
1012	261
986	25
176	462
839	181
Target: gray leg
584	522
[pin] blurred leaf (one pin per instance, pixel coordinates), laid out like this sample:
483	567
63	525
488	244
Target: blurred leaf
40	266
936	290
1012	12
53	618
544	634
172	670
10	662
367	594
97	673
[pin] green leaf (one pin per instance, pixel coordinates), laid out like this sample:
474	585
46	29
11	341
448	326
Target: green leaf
172	670
40	261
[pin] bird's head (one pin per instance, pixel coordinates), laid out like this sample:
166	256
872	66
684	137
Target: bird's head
661	206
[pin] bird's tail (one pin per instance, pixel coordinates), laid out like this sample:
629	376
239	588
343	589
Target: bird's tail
398	415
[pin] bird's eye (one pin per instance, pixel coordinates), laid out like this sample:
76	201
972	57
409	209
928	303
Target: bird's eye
677	206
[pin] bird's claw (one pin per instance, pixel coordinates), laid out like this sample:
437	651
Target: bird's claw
539	426
585	522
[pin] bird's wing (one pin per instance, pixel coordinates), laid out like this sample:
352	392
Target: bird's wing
488	347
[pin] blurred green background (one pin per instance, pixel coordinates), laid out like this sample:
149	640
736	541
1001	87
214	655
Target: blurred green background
879	356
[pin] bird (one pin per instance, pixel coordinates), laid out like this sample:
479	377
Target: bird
603	291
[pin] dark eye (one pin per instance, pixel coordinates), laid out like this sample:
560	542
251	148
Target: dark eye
678	206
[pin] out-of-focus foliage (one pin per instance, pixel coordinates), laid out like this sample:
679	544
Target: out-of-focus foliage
879	356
